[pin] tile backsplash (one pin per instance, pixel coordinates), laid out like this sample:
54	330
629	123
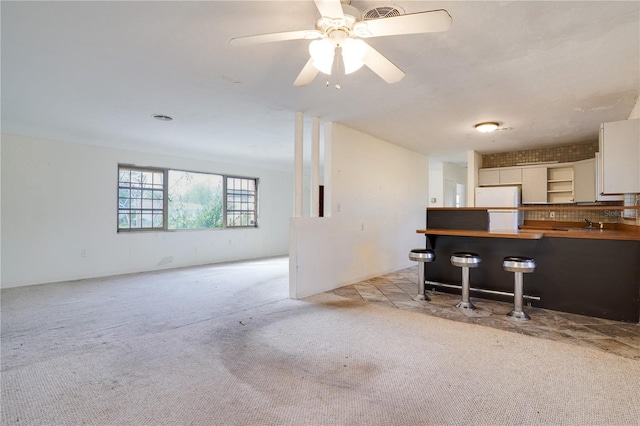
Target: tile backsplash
604	216
561	154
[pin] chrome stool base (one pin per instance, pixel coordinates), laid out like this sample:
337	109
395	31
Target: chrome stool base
518	265
421	256
422	297
519	316
465	261
466	306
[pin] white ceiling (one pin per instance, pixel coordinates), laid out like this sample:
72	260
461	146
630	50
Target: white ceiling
95	73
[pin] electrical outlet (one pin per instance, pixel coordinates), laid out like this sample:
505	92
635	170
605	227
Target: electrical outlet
552	215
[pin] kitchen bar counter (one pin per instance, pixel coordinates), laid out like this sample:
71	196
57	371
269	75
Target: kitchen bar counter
589	272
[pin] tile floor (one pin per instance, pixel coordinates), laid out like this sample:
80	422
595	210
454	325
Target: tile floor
397	290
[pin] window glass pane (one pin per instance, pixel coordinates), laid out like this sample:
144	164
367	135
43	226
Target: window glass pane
158	178
157	221
123	220
136	178
147	220
195	200
136	221
147	178
125	176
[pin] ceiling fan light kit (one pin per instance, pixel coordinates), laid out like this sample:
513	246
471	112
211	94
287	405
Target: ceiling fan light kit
322	53
341	27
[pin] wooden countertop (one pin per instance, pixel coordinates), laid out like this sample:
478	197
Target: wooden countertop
530	233
523	234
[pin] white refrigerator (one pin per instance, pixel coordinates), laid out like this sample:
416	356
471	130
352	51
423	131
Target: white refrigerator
501	196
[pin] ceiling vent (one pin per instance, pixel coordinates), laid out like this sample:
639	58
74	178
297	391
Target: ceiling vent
381	12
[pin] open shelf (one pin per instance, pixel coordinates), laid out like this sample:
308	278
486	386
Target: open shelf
560	185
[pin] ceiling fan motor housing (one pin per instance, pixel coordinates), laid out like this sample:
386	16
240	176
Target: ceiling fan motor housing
351	15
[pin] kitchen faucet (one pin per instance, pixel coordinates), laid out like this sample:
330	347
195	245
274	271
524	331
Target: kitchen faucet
590	224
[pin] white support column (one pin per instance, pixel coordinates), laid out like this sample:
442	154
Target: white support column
298	161
328	143
315	168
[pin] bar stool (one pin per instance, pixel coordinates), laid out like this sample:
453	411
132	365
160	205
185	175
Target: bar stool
465	261
518	265
422	256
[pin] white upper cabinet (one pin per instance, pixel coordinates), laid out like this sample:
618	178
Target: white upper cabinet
488	177
511	176
584	184
534	185
620	157
500	176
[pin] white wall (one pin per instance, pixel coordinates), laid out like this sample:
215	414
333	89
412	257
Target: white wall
59	198
454	174
436	183
474	163
442	179
379	194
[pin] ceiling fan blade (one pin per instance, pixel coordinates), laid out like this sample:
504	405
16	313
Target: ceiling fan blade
269	38
307	74
414	23
330	9
382	66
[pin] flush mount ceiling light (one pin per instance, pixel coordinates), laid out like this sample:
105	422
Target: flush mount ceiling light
162	117
487	127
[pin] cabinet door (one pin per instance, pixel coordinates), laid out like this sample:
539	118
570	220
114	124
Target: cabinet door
534	185
620	151
510	176
584	181
488	177
599	190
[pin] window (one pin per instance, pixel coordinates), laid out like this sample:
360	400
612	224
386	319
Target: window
163	199
195	200
140	198
241	202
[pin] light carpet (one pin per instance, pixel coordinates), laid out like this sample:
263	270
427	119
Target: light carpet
222	345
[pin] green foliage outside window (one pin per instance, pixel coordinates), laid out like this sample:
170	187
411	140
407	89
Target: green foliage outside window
195	200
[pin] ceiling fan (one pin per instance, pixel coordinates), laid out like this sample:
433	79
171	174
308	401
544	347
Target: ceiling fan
341	30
